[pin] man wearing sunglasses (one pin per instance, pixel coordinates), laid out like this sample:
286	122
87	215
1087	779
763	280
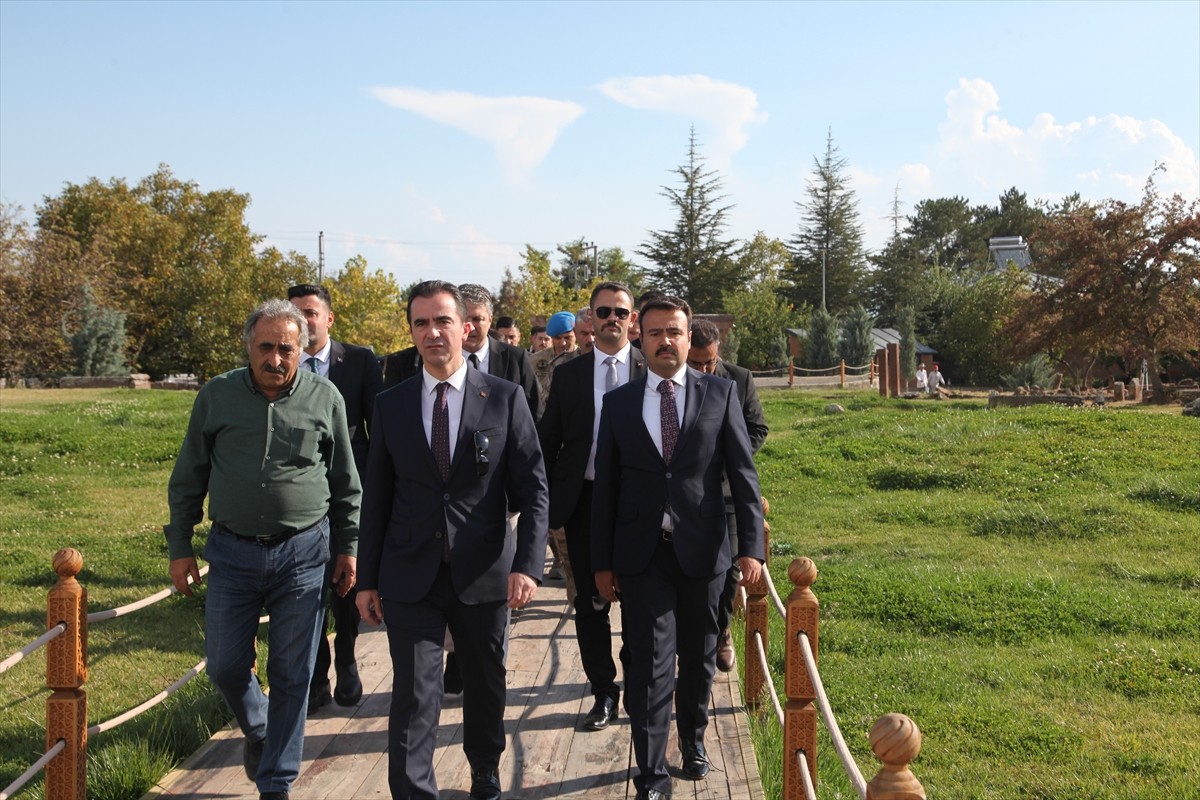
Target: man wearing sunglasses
568	433
452	449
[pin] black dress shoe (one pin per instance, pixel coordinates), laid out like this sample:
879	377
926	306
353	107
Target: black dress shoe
695	762
273	796
349	687
252	756
652	794
452	677
318	696
485	784
602	713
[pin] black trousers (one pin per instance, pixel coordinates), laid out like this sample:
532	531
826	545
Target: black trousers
416	633
725	609
592	627
345	632
668	614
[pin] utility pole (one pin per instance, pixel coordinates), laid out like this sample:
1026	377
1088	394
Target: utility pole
321	257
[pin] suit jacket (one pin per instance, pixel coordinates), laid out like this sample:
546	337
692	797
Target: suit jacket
504	361
355	372
566	427
408	508
634	485
752	412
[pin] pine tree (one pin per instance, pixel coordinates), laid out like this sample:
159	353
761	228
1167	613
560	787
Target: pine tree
828	260
856	345
906	324
694	260
99	342
821	352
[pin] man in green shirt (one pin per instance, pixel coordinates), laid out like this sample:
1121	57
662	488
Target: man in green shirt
269	446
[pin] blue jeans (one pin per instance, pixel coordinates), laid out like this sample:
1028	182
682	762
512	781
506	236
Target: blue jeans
287	580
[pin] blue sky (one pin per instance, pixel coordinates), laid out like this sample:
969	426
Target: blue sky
437	139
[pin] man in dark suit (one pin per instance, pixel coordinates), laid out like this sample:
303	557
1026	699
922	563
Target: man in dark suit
704	356
490	355
568	433
355	372
452	450
659	541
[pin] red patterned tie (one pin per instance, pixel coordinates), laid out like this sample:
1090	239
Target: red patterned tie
670	418
440	437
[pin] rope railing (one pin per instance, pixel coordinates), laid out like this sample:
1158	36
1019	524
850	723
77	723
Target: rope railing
840	371
894	738
65	759
32	647
129	608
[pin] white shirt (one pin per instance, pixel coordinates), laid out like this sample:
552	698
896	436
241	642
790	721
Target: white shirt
599	377
322	357
454	403
652	416
484	356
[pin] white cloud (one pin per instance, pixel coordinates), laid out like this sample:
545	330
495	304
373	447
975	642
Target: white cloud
726	108
521	129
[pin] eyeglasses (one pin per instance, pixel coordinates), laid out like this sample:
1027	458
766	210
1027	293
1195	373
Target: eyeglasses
481	448
604	312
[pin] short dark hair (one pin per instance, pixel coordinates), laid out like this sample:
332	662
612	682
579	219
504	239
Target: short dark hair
506	322
431	288
309	289
536	329
477	295
610	286
648	295
667	303
704	333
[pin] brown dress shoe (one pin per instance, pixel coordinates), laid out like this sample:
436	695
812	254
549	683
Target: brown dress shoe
726	658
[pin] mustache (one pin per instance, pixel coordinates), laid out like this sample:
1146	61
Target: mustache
665	349
280	370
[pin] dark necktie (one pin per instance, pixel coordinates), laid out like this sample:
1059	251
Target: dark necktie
474	359
610	377
670	419
440	435
312	363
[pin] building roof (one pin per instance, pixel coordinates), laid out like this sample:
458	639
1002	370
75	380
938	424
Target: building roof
881	337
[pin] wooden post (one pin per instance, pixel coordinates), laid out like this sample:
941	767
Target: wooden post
893	358
896	741
66	672
871	374
791	373
882	371
758	619
800	715
843	373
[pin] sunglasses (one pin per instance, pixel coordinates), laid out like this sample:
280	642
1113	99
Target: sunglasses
481	448
604	312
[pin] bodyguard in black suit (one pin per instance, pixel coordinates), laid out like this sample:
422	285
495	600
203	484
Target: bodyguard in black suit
568	433
704	356
452	450
355	372
659	541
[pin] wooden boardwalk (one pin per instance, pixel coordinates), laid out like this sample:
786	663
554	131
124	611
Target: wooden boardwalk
546	757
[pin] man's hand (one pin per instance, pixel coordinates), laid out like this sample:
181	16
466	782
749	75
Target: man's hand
608	585
520	589
751	570
345	573
181	569
369	609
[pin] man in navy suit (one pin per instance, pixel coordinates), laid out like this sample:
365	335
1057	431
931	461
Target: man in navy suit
659	542
568	434
355	372
452	449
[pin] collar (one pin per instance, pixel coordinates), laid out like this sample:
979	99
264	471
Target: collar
321	355
622	355
653	380
456	379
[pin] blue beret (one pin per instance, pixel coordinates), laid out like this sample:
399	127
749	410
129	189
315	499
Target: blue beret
560	323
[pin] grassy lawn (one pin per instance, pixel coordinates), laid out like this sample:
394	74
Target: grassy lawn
1024	584
88	469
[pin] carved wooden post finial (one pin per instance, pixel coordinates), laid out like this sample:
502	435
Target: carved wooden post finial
896	741
66	672
800	714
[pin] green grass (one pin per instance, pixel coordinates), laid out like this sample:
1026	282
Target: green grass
1023	583
88	469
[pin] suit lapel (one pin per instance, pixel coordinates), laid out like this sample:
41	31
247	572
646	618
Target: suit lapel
475	396
696	387
410	407
337	357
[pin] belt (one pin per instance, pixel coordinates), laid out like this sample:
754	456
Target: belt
270	540
668	536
